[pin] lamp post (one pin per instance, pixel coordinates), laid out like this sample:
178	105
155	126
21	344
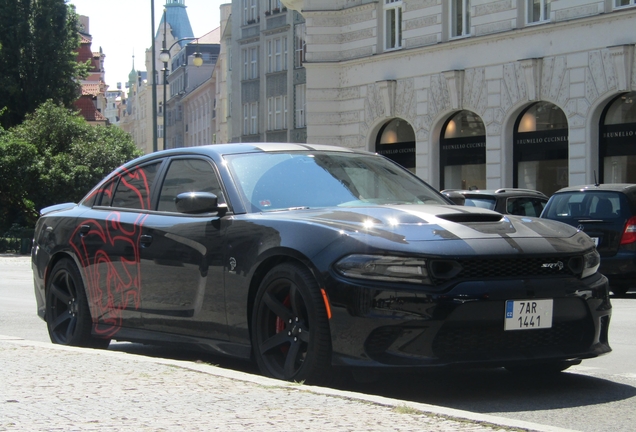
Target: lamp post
164	57
154	79
165	76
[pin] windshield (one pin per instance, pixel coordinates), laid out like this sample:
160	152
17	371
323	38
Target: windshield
278	181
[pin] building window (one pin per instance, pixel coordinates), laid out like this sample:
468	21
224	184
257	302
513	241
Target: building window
250	11
254	62
540	155
460	18
392	24
300	120
300	45
250	63
277	54
616	145
250	118
273	6
624	3
277	113
463	152
537	11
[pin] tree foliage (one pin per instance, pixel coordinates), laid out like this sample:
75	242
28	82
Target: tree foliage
38	42
55	156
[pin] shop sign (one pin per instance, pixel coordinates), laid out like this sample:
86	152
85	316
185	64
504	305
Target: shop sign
402	153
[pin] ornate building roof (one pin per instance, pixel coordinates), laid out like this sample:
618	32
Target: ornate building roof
177	18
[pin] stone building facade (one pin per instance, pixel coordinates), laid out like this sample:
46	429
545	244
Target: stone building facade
477	93
264	44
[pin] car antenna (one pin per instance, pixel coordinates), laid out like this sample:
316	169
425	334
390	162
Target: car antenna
595	181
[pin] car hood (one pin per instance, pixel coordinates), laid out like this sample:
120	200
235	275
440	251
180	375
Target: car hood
429	222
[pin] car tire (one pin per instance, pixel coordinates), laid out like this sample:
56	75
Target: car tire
67	314
290	329
548	368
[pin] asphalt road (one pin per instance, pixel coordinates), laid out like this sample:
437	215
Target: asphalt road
598	395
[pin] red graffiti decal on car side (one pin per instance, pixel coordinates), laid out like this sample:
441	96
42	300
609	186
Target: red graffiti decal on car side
109	254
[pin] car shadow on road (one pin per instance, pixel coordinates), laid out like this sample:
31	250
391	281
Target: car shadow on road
497	390
477	390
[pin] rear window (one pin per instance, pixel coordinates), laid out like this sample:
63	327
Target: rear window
593	205
485	203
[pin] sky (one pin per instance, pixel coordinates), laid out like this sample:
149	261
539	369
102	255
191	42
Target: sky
121	27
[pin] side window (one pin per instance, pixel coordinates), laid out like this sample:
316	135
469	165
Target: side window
133	189
107	192
188	175
525	206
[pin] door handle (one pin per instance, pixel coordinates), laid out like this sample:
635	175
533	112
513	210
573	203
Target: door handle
145	240
84	229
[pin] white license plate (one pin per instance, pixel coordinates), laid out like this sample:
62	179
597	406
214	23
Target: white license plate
528	314
595	240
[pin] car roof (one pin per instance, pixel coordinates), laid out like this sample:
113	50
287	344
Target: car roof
238	148
627	188
506	192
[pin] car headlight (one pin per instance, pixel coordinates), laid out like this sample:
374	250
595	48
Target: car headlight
591	262
384	268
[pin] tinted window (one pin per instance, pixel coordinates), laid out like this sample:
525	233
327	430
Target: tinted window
272	181
525	206
187	175
485	203
133	189
601	205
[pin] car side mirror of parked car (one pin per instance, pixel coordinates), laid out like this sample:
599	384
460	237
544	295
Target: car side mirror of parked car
455	197
198	202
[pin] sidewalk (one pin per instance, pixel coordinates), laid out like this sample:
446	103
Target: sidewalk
46	387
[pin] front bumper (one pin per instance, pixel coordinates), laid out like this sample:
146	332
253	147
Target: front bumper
377	326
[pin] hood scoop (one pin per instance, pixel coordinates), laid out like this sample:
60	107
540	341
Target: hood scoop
471	217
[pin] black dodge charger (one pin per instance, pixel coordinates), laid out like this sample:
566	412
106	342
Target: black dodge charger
311	259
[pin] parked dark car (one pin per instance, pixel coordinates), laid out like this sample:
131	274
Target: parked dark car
521	202
314	259
607	213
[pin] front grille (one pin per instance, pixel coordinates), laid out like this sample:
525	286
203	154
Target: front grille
446	270
488	341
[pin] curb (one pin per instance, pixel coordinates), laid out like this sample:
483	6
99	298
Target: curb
449	413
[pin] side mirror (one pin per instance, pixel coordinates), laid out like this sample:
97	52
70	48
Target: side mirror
455	197
197	202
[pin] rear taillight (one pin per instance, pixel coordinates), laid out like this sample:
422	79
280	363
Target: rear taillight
629	235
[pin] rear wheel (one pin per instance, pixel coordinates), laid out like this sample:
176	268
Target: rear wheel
68	318
290	329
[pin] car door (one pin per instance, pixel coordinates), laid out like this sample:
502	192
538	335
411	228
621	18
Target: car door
106	241
182	265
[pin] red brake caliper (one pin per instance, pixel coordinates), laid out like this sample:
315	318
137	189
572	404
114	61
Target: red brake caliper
280	324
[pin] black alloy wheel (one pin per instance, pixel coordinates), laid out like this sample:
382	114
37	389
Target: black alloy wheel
290	329
67	314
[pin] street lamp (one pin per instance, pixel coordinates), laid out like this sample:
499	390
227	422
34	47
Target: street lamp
154	78
164	57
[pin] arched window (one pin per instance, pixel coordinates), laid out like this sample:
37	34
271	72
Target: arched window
541	148
463	152
617	141
396	140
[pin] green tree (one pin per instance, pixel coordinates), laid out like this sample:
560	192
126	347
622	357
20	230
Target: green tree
38	43
55	156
